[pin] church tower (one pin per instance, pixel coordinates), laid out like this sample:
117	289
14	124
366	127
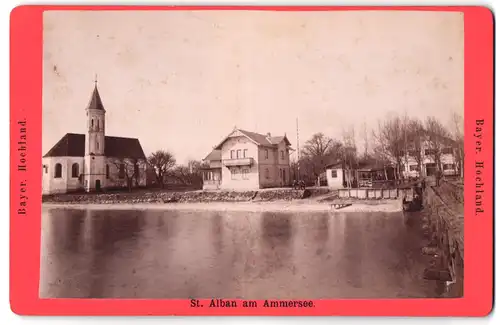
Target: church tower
95	161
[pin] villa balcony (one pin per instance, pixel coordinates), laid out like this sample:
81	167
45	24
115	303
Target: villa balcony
237	162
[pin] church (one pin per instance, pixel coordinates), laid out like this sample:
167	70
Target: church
93	161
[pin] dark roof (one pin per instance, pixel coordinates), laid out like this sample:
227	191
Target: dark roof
334	165
260	139
73	145
257	137
214	155
95	101
277	140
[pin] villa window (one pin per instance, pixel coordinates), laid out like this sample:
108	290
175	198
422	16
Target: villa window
267	172
97	145
234	174
245	173
282	154
267	154
107	171
245	153
92	123
448	151
238	153
45	169
74	170
232	154
121	173
413	168
58	171
429	152
334	173
448	166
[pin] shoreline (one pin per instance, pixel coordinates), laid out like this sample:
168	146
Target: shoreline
275	206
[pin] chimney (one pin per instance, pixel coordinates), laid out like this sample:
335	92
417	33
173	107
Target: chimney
268	134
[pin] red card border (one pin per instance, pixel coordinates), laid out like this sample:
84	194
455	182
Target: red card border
26	101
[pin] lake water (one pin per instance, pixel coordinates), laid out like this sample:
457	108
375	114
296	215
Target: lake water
183	254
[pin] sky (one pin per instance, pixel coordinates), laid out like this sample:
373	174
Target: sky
182	80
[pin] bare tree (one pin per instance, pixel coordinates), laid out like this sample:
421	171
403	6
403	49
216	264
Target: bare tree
315	153
437	136
349	152
128	170
415	134
181	173
364	135
405	122
458	136
389	141
317	146
195	172
161	161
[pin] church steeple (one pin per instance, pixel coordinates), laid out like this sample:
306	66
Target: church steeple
95	100
96	115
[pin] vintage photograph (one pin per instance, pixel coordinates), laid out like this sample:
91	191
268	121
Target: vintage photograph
244	154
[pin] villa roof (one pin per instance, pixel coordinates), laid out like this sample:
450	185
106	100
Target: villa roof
258	139
73	145
214	155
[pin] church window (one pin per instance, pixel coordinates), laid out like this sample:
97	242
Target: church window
74	170
97	145
58	171
121	173
92	123
97	124
107	171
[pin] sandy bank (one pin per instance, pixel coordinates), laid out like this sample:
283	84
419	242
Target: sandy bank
388	206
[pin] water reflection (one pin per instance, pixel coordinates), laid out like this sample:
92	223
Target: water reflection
217	232
277	249
188	254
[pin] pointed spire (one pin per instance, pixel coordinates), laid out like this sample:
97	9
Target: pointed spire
95	100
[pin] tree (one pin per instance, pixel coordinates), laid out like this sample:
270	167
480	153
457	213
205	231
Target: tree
437	136
458	136
364	135
314	153
416	134
390	141
317	152
128	170
189	174
161	161
349	153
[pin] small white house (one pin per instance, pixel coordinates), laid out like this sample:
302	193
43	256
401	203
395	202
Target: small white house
335	176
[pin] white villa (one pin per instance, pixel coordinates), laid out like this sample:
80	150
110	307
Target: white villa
93	161
246	160
448	163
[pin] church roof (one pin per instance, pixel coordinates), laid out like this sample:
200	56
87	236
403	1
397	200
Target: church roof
73	145
95	101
